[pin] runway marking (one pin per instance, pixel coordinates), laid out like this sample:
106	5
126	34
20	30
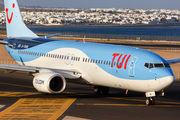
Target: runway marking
125	99
69	93
16	85
175	103
20	94
37	108
74	118
1	106
122	105
16	94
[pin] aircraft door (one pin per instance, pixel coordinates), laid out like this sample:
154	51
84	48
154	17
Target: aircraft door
132	66
70	59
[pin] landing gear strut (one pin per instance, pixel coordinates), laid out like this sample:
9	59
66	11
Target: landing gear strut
150	101
99	89
150	98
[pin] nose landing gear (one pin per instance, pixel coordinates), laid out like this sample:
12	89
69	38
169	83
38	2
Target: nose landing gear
150	101
150	98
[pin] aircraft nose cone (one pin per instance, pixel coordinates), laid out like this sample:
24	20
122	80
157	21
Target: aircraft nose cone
166	82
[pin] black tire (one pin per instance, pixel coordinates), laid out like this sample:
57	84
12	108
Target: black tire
97	90
148	101
105	91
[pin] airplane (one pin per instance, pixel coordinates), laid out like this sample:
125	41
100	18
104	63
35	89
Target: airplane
54	62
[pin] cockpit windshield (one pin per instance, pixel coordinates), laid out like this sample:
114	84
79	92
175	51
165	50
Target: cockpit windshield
157	65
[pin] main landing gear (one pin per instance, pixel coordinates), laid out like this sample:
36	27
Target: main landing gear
99	89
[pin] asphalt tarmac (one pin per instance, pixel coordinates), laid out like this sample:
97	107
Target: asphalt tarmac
22	101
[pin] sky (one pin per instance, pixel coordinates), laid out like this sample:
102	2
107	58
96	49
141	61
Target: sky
134	4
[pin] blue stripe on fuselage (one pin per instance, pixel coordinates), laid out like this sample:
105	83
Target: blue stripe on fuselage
24	44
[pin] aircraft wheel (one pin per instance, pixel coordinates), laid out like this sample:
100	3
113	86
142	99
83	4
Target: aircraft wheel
150	101
97	90
105	90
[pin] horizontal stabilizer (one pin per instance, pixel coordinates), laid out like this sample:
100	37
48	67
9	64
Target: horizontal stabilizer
4	42
50	35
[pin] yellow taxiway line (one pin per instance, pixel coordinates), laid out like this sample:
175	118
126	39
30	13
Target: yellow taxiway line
16	85
123	105
164	102
17	94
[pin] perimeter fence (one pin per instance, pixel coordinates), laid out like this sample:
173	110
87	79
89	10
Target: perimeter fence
117	37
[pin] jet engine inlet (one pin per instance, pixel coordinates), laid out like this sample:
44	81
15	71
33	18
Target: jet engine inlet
49	82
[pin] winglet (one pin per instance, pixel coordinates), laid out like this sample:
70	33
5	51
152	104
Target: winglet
14	23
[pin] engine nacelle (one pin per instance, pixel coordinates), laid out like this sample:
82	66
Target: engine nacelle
49	82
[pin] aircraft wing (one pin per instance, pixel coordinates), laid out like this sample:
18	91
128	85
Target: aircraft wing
70	74
10	67
48	36
173	60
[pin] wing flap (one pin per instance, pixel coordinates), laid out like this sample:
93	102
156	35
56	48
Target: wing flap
173	60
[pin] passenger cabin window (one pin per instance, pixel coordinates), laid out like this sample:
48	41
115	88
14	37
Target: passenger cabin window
91	60
96	61
74	58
